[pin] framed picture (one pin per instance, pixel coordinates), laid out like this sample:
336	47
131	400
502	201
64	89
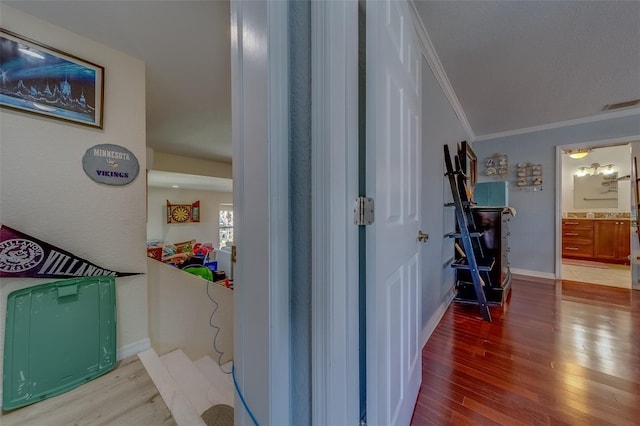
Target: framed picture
469	162
42	80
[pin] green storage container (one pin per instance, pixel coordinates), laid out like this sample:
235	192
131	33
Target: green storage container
57	336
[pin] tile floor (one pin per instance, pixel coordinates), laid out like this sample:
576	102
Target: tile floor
597	273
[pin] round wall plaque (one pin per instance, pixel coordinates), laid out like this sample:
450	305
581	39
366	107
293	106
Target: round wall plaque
110	164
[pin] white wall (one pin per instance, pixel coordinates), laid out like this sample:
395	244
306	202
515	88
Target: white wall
206	231
440	126
183	314
619	156
44	191
191	166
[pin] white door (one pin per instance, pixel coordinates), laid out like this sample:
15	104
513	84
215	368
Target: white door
635	246
393	263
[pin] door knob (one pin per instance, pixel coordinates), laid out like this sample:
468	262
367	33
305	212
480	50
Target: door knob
422	237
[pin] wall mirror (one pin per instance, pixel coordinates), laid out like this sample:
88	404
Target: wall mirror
595	191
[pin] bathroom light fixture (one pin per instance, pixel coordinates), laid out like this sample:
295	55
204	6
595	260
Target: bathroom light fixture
582	171
578	153
609	169
593	170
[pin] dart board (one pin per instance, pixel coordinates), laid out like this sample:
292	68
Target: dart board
183	213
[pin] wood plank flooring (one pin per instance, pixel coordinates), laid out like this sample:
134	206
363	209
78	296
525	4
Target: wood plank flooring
563	353
124	396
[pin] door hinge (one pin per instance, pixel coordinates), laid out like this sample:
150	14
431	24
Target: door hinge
363	211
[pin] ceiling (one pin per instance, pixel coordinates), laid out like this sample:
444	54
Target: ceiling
510	64
521	64
162	179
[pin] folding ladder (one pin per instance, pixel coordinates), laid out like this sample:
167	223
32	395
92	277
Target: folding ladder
471	256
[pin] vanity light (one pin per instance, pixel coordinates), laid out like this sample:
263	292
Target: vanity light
582	171
593	169
608	170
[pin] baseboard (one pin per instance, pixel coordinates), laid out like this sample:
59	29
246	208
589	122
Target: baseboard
536	274
433	322
133	348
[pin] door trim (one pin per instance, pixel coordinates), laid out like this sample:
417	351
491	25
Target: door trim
559	148
260	75
335	377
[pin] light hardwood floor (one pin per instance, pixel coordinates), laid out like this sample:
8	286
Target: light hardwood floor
124	396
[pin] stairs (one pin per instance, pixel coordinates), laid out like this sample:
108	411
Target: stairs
189	388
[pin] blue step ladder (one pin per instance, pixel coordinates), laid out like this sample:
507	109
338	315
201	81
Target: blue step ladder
470	255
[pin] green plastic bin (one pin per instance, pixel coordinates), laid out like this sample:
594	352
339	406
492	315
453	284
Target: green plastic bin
58	336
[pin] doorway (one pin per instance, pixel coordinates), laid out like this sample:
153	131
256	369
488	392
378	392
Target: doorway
596	215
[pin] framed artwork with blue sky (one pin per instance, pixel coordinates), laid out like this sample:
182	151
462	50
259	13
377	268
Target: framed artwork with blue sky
42	80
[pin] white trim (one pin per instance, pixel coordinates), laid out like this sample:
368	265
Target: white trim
433	322
278	95
592	119
602	142
558	209
430	54
335	363
559	148
535	274
259	65
133	348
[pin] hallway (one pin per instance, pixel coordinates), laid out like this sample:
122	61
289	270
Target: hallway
554	354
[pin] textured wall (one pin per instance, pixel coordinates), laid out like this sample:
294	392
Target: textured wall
532	238
45	193
440	126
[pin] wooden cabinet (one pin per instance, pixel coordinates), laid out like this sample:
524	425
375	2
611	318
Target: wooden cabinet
493	222
612	240
603	240
577	238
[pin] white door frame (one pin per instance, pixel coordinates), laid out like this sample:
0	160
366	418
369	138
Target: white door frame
559	148
259	64
335	341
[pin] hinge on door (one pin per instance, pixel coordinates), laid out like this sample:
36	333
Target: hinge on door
363	211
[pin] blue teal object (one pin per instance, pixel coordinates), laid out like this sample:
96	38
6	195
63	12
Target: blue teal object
58	336
493	194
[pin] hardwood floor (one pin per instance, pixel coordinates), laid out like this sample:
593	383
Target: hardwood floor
124	396
563	354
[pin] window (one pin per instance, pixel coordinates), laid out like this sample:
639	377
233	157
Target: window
225	225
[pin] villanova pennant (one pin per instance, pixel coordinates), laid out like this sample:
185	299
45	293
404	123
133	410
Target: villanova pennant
22	256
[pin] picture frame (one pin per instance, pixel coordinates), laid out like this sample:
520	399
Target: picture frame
469	162
42	80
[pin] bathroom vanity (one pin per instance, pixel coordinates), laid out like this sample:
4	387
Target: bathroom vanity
598	239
